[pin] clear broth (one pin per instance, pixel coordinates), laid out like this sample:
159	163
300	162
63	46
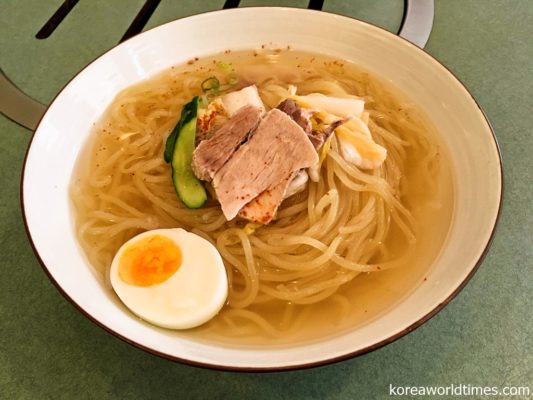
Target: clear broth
369	294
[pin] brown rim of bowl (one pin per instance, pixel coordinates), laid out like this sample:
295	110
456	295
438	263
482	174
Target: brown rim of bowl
313	364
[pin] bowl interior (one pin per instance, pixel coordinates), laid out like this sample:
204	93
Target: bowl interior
449	107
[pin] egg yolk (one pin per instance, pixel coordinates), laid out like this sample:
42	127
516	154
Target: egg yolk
149	261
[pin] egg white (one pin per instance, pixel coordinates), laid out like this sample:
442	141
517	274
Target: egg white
192	296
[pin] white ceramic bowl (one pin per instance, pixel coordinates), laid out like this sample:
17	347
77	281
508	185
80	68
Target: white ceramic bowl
452	110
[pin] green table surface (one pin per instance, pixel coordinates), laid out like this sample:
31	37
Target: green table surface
484	337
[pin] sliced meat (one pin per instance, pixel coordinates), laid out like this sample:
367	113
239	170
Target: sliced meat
277	148
317	140
319	136
263	208
221	108
293	110
303	118
213	153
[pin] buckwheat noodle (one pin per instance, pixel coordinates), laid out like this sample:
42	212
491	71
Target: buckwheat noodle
322	239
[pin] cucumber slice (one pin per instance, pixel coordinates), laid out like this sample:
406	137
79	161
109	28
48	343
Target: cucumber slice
188	112
181	144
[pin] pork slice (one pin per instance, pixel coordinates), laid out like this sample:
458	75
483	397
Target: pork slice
263	208
278	147
303	118
293	110
211	154
319	136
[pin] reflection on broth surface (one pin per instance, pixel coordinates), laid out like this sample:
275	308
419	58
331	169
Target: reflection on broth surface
353	243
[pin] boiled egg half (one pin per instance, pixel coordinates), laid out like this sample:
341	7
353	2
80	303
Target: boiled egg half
170	277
